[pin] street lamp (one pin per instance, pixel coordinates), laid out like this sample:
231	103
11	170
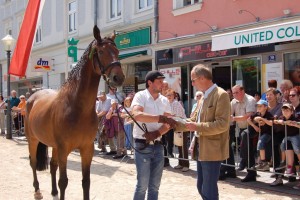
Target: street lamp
8	42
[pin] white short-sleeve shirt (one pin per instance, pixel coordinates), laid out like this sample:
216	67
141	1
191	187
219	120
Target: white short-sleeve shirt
103	105
158	106
240	108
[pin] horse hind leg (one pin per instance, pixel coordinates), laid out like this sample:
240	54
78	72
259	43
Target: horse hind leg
86	154
53	169
35	149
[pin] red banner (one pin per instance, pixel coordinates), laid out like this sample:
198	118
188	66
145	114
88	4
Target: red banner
22	51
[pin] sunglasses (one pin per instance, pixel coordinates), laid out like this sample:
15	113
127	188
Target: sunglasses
292	95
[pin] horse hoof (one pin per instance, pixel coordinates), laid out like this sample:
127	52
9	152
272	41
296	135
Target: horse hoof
38	195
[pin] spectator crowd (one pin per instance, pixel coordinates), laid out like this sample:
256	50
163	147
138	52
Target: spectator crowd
264	129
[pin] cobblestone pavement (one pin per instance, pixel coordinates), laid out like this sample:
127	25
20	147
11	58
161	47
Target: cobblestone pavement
115	180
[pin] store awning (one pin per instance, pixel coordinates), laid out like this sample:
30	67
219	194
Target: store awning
257	36
127	55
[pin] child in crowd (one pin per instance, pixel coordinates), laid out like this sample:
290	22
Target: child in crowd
127	122
292	135
261	121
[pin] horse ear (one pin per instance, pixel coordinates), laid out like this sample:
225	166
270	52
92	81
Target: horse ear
97	35
113	35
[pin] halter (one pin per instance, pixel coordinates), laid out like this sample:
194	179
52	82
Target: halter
101	66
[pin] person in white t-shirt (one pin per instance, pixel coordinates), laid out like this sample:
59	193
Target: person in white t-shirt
150	110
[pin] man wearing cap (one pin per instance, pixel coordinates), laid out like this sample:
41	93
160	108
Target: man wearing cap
150	109
102	107
258	122
210	121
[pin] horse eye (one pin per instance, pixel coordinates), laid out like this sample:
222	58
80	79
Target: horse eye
100	52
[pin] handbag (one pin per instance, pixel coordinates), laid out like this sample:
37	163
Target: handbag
178	138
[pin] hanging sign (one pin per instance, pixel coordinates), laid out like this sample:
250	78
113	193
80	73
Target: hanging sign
257	36
41	64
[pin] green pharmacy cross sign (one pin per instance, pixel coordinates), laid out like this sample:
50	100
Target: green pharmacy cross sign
72	49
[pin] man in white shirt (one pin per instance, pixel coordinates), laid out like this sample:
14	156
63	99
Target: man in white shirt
149	109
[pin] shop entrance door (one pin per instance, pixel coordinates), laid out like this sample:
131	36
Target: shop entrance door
222	76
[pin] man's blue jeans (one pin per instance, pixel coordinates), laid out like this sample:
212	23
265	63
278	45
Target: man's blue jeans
149	166
208	175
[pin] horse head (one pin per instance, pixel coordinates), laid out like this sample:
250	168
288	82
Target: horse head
104	55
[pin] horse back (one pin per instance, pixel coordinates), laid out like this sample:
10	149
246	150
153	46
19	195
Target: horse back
36	97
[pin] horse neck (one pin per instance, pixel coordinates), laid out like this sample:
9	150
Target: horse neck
81	90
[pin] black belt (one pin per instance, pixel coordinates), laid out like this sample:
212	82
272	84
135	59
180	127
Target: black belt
142	141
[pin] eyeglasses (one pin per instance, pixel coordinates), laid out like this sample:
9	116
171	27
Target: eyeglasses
292	95
198	96
193	80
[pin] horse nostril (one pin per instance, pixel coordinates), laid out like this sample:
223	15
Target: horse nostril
118	79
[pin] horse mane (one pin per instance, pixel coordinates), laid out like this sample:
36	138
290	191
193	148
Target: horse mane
75	73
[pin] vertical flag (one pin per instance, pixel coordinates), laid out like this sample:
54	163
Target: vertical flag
23	47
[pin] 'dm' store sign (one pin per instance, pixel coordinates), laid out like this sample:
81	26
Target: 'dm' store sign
257	36
41	64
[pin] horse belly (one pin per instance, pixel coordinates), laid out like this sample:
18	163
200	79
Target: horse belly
40	123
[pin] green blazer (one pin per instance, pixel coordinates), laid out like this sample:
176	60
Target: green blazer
214	126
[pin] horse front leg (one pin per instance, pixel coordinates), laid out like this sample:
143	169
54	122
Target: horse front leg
53	169
63	178
86	154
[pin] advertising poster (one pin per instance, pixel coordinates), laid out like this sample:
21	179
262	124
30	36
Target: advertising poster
273	71
173	77
294	70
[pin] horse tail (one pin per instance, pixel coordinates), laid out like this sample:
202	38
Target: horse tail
42	157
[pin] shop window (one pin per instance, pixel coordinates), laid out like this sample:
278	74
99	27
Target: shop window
292	67
141	69
246	72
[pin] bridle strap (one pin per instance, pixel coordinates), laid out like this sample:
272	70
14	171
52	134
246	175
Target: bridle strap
101	66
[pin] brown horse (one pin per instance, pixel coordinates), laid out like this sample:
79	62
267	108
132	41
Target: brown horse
66	120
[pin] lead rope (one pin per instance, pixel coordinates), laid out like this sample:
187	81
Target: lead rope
143	127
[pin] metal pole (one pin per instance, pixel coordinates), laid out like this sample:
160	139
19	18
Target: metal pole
8	114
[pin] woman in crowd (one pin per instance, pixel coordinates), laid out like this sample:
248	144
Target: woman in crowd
19	114
274	107
114	128
197	97
178	111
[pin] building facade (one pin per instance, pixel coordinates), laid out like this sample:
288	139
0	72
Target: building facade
64	22
243	42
